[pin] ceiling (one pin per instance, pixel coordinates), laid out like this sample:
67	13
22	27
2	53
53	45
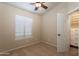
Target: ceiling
30	8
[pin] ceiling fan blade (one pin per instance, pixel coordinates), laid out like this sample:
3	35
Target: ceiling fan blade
36	8
42	5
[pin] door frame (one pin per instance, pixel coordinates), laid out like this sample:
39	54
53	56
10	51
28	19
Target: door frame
68	14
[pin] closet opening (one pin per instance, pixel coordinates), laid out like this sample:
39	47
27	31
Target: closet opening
74	29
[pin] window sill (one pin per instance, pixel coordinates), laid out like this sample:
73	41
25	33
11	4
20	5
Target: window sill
23	38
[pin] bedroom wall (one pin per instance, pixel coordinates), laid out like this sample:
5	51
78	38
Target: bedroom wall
49	24
7	27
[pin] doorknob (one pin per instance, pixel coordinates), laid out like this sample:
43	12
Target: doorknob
59	34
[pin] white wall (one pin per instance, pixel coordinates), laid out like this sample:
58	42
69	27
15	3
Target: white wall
7	27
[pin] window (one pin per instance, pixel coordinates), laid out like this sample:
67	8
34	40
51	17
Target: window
23	27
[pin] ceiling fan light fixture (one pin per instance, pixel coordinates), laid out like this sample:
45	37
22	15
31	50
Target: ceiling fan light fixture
38	5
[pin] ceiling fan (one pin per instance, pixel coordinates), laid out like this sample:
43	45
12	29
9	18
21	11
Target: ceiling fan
38	5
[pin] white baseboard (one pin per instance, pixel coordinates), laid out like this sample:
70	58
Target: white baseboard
29	44
48	43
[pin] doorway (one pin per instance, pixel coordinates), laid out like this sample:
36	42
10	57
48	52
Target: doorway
74	30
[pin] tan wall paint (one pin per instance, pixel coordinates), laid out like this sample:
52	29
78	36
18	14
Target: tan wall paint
7	27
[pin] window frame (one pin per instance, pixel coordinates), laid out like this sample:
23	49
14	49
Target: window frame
24	36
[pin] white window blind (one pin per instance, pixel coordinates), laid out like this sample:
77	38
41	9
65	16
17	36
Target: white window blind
23	26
